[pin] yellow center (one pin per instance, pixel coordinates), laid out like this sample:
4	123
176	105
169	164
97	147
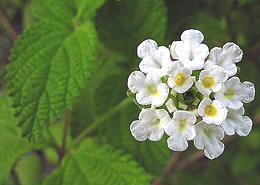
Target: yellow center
208	82
153	90
210	110
182	124
179	79
155	122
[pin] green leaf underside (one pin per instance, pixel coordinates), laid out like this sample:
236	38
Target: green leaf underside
98	166
51	62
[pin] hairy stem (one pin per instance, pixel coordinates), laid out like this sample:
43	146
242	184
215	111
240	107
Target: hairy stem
7	25
167	169
100	120
67	115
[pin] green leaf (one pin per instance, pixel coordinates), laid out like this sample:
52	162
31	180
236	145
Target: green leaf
12	146
50	65
122	25
95	165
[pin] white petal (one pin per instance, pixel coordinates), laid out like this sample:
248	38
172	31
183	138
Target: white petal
136	81
232	52
214	149
221	116
229	127
192	36
147	115
214	54
248	92
163	116
185	87
139	130
230	69
201	52
148	64
172	49
201	89
143	98
202	106
195	64
155	134
159	100
244	126
146	48
177	143
153	78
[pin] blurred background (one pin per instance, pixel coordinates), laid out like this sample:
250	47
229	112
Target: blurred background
122	25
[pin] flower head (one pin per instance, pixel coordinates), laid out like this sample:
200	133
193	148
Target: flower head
215	101
150	125
154	59
237	123
179	77
190	50
208	139
180	129
212	111
226	57
149	89
233	93
211	81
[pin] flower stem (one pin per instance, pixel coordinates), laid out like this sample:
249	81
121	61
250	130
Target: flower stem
100	120
67	115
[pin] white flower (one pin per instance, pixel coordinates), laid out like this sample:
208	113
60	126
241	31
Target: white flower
226	57
154	59
190	50
208	139
180	129
149	89
170	105
237	123
150	125
211	81
179	77
212	111
233	93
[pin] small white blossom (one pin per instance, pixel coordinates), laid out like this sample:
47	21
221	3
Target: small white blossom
237	123
212	111
233	93
211	81
208	139
190	50
180	129
154	59
149	89
179	77
170	105
226	57
150	125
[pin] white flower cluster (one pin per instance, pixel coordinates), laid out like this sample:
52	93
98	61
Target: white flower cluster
197	87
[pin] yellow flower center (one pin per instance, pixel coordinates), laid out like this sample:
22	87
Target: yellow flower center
153	90
208	82
155	122
179	79
182	124
210	110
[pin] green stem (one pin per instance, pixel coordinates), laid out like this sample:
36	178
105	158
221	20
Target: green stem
67	115
100	120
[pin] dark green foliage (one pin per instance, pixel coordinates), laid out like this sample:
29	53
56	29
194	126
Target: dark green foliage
95	165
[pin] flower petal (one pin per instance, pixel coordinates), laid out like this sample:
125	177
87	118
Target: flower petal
177	143
155	134
192	36
136	81
146	48
232	52
244	126
158	100
214	149
139	130
248	92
